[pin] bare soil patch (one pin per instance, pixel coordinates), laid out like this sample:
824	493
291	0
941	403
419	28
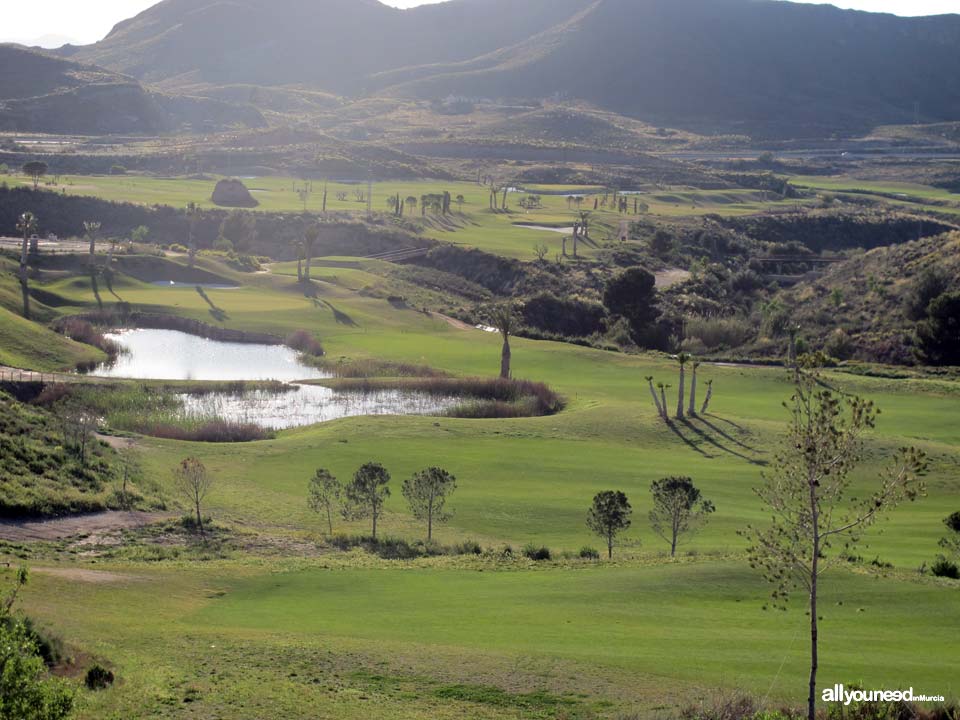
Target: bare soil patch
60	528
97	577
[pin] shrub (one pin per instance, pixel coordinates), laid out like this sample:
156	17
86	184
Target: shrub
98	678
839	345
304	342
589	553
720	332
468	547
942	567
535	553
82	331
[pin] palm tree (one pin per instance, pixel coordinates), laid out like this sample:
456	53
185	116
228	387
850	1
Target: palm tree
706	401
505	321
310	236
460	201
683	358
91	229
191	225
663	399
661	411
692	408
26	224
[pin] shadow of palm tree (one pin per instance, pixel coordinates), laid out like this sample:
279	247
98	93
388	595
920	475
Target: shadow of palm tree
688	441
724	434
713	441
338	315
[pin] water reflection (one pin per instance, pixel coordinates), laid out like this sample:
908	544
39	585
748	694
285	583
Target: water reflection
310	404
175	355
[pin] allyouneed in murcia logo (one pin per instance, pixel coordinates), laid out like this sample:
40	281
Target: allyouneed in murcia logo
839	694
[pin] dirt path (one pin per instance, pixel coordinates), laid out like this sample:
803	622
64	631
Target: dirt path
97	577
60	528
452	322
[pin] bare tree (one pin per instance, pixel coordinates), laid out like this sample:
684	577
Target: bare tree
806	492
192	480
426	493
504	319
678	509
325	493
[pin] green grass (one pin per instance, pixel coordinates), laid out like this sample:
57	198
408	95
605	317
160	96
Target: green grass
251	636
471	225
25	344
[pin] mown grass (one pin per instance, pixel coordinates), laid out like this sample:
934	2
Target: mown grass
640	633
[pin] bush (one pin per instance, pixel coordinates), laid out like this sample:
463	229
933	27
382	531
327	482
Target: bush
535	553
839	345
720	332
945	568
302	341
468	547
589	553
98	678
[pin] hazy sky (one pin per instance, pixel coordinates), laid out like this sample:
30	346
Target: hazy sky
84	21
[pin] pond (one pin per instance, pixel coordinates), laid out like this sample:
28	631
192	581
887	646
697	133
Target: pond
175	355
309	404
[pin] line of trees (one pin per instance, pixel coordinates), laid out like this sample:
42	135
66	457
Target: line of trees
679	510
364	497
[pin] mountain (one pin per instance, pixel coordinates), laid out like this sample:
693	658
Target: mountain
756	66
330	44
40	93
761	67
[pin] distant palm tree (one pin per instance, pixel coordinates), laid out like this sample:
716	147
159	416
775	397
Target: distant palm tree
310	236
692	408
505	321
683	358
27	225
460	201
91	229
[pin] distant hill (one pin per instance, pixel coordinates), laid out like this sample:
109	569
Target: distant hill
763	67
40	93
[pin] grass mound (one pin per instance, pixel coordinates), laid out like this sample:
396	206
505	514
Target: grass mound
41	477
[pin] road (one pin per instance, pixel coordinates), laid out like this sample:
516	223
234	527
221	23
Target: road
50	247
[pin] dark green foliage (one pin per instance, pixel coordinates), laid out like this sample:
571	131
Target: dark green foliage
98	678
589	553
571	317
537	554
365	495
929	285
942	567
25	692
609	516
426	493
391	548
938	336
633	295
953	522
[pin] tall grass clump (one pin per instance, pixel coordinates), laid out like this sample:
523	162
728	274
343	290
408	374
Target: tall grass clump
305	343
84	332
720	332
484	397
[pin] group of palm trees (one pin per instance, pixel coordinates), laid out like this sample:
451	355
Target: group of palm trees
660	400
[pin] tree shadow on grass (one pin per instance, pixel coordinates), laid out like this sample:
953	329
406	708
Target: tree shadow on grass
706	437
341	317
218	314
727	436
693	446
